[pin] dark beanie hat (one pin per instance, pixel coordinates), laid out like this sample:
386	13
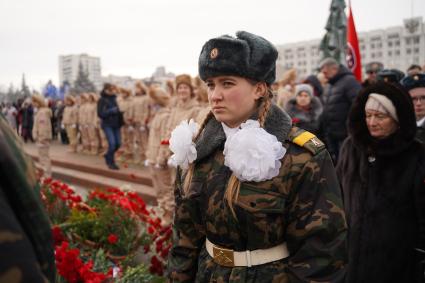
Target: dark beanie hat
248	55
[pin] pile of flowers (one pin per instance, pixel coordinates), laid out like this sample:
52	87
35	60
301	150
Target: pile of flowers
98	239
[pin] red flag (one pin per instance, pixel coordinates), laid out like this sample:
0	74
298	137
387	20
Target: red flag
353	50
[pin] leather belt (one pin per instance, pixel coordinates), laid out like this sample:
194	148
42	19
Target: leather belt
231	258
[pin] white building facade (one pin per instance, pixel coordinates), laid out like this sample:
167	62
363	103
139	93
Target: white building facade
69	64
395	47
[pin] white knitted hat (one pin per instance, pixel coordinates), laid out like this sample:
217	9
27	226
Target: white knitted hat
381	103
304	88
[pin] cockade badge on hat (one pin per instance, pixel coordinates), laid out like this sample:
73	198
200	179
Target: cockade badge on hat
214	53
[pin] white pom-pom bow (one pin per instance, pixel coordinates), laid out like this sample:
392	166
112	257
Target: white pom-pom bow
182	145
253	154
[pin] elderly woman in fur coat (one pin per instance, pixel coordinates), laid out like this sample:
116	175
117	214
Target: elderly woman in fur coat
305	109
382	173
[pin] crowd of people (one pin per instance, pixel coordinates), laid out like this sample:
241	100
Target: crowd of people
373	132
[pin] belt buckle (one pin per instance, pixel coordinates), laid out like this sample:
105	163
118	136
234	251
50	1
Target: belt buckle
223	257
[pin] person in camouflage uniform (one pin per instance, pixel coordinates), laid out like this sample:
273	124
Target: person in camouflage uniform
26	244
299	210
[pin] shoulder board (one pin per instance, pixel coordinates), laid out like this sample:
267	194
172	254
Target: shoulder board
306	140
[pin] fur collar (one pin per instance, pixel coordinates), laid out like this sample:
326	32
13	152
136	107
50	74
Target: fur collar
278	123
316	107
191	103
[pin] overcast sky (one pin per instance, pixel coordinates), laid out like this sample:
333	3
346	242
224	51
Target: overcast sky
133	37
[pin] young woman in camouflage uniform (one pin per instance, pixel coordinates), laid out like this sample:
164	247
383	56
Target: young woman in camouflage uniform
285	226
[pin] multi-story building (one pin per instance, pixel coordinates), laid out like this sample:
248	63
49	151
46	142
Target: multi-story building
161	75
121	81
396	47
69	66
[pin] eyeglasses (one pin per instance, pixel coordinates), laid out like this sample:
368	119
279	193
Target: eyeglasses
418	99
371	72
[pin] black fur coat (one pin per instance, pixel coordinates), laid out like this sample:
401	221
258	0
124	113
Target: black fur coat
384	194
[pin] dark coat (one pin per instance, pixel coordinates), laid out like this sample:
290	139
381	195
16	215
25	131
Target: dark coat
420	133
307	120
384	193
108	111
27	117
343	89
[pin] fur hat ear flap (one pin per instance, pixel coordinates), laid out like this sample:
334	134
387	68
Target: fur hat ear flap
141	88
70	98
124	92
84	96
39	100
201	90
91	96
170	87
159	96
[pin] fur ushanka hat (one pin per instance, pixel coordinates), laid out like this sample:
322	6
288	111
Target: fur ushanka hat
39	100
248	55
184	79
70	98
159	96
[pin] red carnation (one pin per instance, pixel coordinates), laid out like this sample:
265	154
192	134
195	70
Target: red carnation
295	120
58	236
165	142
112	239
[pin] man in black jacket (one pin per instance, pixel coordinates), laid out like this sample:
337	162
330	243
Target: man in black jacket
343	89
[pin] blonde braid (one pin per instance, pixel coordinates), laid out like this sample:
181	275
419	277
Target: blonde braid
233	187
264	110
190	171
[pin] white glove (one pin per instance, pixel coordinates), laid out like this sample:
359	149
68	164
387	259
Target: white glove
62	126
130	129
157	166
146	163
142	128
73	126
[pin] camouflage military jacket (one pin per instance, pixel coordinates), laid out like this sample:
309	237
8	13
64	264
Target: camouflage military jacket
26	244
302	206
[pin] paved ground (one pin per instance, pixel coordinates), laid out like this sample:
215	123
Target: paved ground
89	172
